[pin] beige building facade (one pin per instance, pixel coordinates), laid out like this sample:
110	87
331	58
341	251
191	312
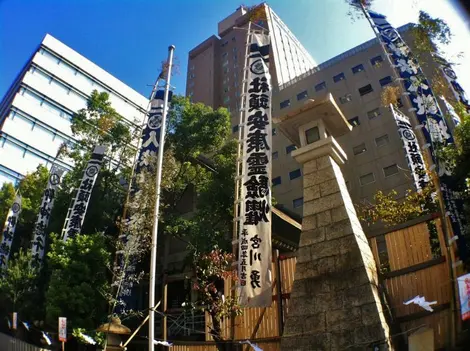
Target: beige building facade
355	78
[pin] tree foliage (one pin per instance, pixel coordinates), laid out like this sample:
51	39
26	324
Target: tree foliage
212	269
206	182
78	280
18	284
429	33
391	210
7	196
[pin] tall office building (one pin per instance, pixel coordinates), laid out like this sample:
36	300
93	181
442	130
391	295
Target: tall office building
36	111
355	78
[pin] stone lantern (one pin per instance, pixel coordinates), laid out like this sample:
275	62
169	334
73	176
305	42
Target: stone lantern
114	330
334	302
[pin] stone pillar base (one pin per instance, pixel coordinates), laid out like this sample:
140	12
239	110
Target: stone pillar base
334	303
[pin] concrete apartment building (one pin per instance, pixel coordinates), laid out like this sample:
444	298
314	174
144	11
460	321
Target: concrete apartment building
355	78
36	111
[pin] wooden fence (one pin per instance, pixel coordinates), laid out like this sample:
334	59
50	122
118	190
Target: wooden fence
413	269
9	343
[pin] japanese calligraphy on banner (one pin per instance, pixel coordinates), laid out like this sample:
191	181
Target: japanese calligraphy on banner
39	239
451	77
463	283
254	255
74	223
145	161
412	151
8	232
430	118
62	329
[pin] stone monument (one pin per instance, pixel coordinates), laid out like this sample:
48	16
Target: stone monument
334	303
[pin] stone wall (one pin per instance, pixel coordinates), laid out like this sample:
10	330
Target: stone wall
334	303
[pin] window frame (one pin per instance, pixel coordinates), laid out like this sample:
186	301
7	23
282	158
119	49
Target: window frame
301	199
274	181
358	69
354	118
365	86
339	77
374	62
357	147
380	137
296	176
360	177
320	86
388	81
302	95
388	167
284	104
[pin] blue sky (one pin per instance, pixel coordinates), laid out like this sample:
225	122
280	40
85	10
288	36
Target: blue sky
129	39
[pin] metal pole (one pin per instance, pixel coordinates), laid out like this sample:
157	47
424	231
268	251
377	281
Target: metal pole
153	253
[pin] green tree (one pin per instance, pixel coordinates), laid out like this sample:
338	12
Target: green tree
79	280
31	188
7	196
98	124
18	284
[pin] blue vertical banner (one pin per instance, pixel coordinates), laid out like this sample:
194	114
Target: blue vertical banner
430	118
449	73
129	242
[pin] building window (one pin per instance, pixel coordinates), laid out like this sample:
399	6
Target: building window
377	60
224	54
312	135
357	69
284	104
320	86
302	95
365	90
275	155
385	80
290	148
399	103
367	179
345	99
277	181
274	131
296	203
226	99
235	129
339	77
354	121
359	149
295	174
390	170
382	140
374	113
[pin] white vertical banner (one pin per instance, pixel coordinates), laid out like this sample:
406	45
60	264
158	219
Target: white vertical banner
413	153
14	323
47	203
255	253
62	329
8	232
75	219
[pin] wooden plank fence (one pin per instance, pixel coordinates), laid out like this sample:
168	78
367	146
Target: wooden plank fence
9	343
412	269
